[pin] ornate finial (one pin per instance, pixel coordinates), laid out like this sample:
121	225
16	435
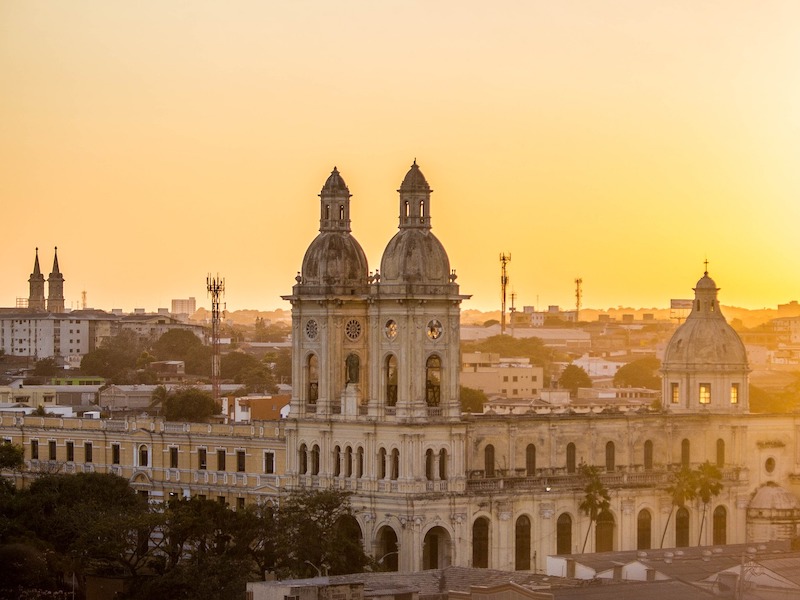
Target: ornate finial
299	278
706	264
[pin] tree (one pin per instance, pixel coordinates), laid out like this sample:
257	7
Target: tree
682	489
708	483
115	359
190	404
158	398
532	348
596	498
176	344
574	377
472	400
641	373
46	367
12	456
233	364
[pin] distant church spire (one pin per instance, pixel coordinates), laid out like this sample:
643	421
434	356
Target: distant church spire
415	200
36	281
334	204
55	288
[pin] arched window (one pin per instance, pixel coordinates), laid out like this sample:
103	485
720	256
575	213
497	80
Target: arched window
648	455
433	378
348	461
604	532
144	456
341	212
388	550
610	457
429	465
530	460
382	463
480	543
685	453
406	208
395	463
360	462
682	528
327	212
391	380
720	453
314	460
337	461
564	534
352	368
488	460
570	458
302	460
313	379
644	527
720	526
421	210
443	464
522	544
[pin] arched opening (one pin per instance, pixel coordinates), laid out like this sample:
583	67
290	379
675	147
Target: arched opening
352	368
604	532
382	463
436	549
522	544
312	393
564	534
360	462
429	465
611	457
685	453
720	453
648	455
488	460
341	212
443	464
682	528
480	543
327	212
406	209
348	461
644	528
720	526
387	553
433	378
144	456
421	210
350	550
530	460
302	460
570	458
315	460
391	380
395	464
337	461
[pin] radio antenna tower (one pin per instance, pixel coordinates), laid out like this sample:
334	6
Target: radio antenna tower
504	260
216	289
578	295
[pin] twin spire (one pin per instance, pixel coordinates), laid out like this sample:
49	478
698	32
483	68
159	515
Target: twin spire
55	283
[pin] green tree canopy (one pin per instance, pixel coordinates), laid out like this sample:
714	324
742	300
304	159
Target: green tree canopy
641	373
472	400
574	377
46	367
12	456
115	359
190	404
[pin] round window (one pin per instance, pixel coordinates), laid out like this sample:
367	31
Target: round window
311	329
353	329
434	329
769	464
391	329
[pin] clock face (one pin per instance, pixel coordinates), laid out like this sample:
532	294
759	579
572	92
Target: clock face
312	329
391	329
352	329
434	329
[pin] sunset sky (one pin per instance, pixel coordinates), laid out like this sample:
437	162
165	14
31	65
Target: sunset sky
620	142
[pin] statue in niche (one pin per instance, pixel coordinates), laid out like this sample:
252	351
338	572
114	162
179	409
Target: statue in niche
352	367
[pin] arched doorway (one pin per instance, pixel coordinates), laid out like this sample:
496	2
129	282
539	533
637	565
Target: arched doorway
386	552
480	543
644	528
522	544
436	549
682	528
720	526
564	534
350	554
604	532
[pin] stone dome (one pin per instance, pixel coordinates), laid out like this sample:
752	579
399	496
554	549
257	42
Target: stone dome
773	497
705	337
335	258
415	256
414	181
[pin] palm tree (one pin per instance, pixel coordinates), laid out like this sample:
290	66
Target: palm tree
596	498
681	490
158	398
708	483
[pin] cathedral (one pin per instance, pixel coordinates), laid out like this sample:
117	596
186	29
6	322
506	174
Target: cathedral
375	411
55	288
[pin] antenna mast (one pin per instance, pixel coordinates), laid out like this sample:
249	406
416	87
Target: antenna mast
216	289
578	294
504	260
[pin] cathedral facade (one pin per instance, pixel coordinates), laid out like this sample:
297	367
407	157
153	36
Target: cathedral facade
375	411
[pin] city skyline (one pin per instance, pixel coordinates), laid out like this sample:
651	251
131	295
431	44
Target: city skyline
622	143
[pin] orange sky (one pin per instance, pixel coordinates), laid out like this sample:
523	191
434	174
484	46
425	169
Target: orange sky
622	142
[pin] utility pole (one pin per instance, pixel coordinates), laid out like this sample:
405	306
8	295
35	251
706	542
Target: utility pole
216	289
578	294
504	260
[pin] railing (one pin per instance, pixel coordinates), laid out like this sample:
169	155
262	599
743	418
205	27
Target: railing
391	411
434	411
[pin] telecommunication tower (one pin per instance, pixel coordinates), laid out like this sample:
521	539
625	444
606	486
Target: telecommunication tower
83	300
504	260
578	295
216	289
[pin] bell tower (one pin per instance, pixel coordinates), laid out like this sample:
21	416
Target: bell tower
36	282
55	288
